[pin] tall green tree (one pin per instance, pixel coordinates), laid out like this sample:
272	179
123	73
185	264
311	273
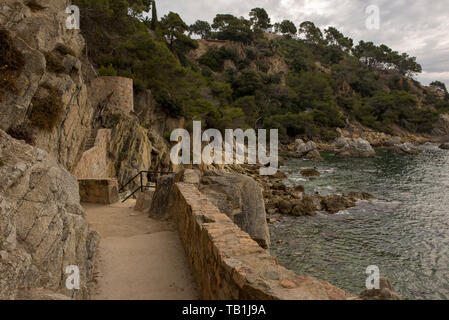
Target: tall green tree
201	28
440	86
336	38
311	32
154	21
229	27
286	27
260	19
174	29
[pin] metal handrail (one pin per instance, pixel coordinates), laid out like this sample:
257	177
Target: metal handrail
141	187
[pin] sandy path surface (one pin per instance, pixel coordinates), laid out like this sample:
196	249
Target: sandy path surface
139	258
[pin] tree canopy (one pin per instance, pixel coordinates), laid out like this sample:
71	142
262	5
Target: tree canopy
174	28
260	18
201	28
229	27
286	27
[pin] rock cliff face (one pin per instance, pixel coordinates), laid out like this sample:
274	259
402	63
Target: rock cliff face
55	70
52	56
43	228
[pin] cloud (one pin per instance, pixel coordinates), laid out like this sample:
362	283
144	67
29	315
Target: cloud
418	27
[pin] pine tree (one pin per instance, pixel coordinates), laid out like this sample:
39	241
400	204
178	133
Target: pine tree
154	22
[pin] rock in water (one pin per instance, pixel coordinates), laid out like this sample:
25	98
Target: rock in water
354	148
43	228
310	172
393	141
335	203
306	150
385	292
445	146
405	148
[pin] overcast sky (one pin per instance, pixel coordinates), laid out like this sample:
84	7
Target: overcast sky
418	27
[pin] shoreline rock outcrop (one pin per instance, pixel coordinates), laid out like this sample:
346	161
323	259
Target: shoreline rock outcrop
405	148
305	150
354	148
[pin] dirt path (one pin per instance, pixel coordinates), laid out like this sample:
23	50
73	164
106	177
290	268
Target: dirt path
139	258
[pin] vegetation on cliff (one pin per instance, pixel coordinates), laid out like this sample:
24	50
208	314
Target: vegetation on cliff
11	64
326	81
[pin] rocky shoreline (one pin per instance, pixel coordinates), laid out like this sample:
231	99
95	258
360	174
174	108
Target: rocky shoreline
281	199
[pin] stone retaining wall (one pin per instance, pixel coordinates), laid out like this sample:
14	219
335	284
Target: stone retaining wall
102	191
227	263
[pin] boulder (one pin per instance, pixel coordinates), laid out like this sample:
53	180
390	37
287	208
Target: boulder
393	141
311	172
306	150
284	206
304	207
441	127
354	148
159	205
405	148
385	292
335	203
43	228
445	146
240	198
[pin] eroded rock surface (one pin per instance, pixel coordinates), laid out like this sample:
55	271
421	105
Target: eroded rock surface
354	148
53	58
241	199
42	225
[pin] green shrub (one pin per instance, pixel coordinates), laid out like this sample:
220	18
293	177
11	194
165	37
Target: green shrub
108	71
215	57
46	109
